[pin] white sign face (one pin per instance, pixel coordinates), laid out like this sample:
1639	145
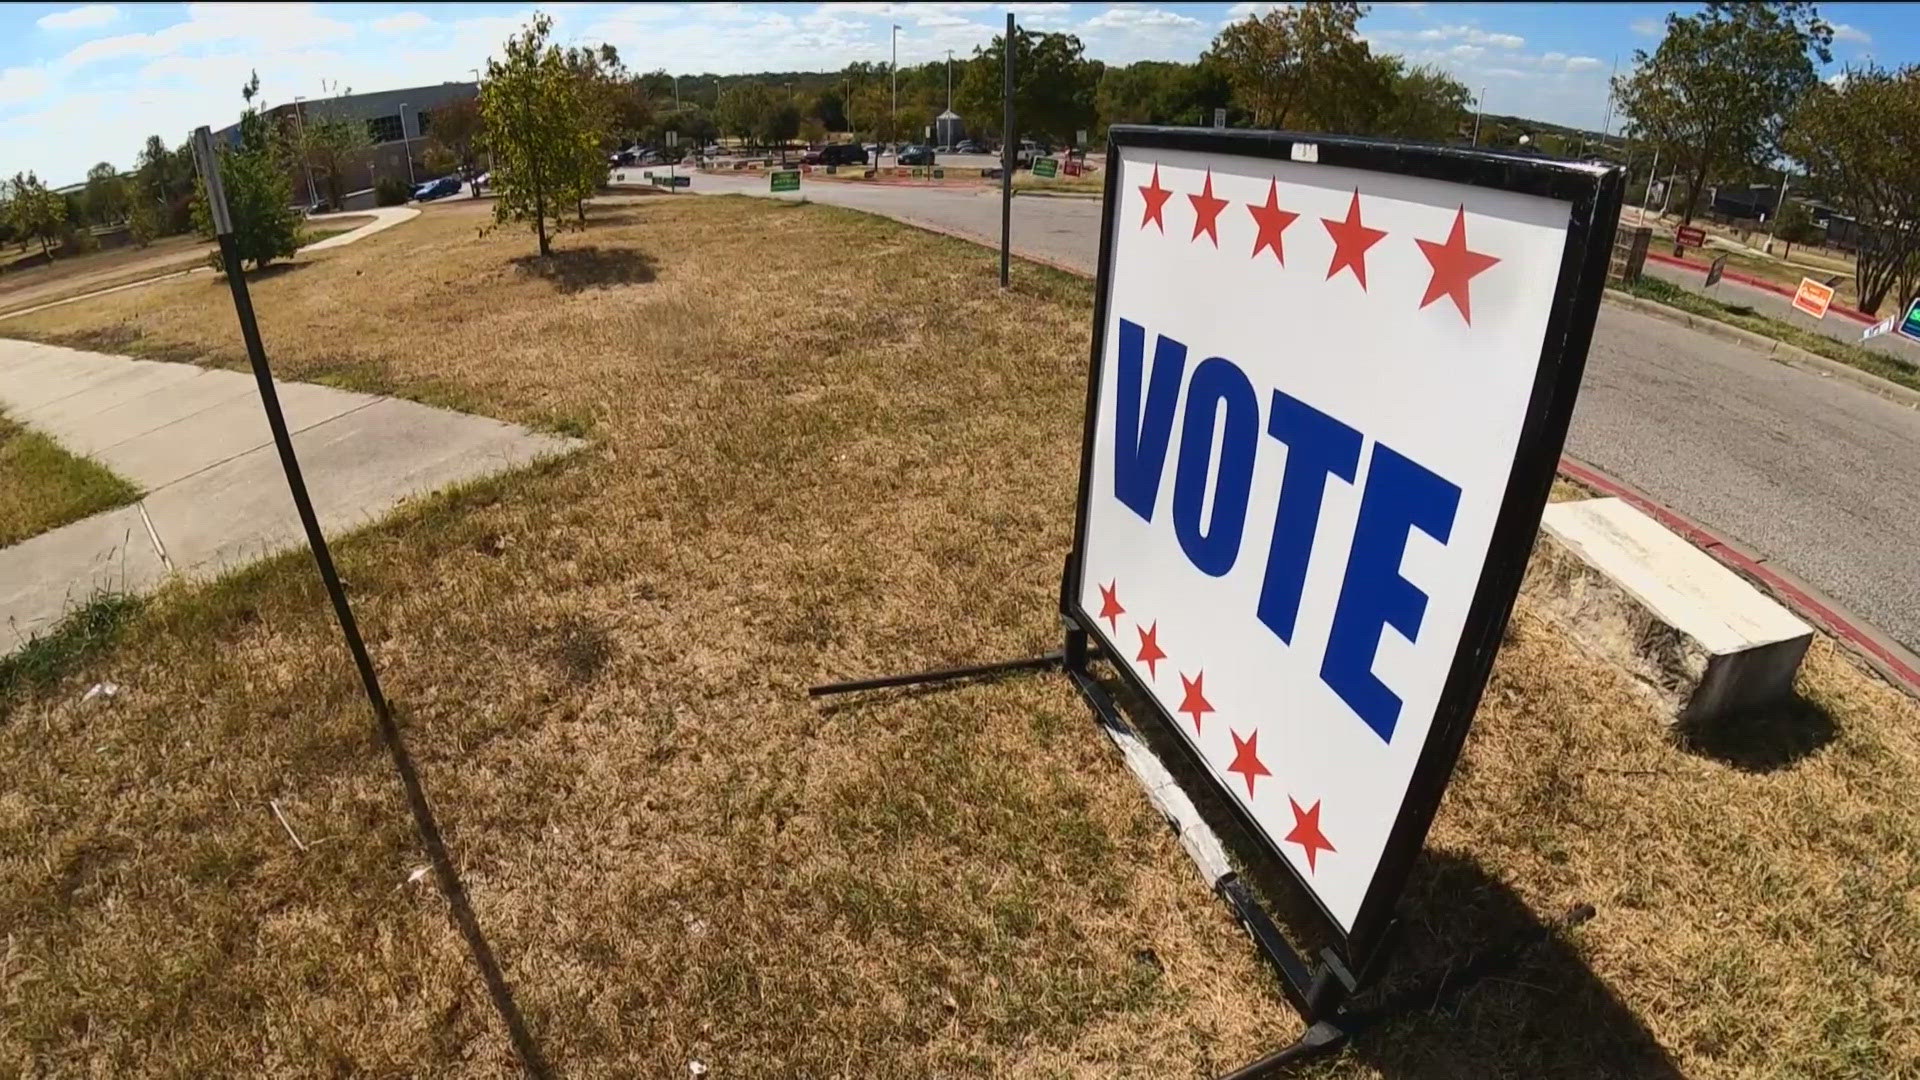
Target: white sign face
1309	402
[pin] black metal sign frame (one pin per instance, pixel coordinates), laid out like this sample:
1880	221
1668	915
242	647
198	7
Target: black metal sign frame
1594	195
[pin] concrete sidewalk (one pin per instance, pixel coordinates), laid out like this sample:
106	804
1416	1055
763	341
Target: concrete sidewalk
196	442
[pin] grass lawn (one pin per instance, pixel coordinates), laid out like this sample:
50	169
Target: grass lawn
43	487
803	472
1095	184
1878	363
99	270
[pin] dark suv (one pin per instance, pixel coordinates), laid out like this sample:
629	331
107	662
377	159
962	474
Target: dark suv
842	154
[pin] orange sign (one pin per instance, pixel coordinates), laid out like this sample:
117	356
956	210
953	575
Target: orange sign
1813	298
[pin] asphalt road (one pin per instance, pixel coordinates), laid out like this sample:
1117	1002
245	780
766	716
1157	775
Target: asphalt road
1813	473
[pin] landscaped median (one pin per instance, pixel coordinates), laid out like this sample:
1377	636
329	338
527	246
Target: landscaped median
1773	336
601	668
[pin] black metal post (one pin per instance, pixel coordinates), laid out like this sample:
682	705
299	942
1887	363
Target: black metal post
448	878
1008	139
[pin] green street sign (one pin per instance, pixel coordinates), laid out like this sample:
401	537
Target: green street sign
785	180
1046	168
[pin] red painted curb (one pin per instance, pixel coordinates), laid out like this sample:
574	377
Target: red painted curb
1760	283
1892	663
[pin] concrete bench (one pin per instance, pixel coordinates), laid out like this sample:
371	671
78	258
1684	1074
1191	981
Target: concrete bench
1706	639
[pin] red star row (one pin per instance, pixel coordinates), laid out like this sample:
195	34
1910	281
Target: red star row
1452	263
1246	752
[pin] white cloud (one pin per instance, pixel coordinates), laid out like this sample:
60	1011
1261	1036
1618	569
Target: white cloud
1127	18
404	22
1470	35
1852	34
1243	11
1647	27
88	17
22	84
210	24
1466	52
1584	63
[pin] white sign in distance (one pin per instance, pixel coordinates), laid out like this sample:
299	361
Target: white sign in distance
1310	395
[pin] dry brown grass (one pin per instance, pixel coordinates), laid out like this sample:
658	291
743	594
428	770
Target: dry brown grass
802	472
100	270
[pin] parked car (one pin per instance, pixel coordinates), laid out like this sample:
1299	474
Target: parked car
914	155
437	189
839	154
968	146
624	157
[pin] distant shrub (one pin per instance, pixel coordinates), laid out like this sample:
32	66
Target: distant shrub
390	192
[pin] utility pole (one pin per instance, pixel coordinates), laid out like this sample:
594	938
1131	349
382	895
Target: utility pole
306	163
676	93
849	110
1651	173
407	143
894	70
1773	227
1479	107
949	80
1006	155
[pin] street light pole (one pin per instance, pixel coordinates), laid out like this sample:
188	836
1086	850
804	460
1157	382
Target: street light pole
306	163
1478	108
894	70
407	143
949	80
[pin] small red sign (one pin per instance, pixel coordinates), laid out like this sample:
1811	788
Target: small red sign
1689	236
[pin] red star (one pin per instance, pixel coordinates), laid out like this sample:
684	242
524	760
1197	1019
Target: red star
1306	831
1150	653
1206	212
1453	266
1110	608
1195	701
1246	758
1156	200
1270	222
1351	241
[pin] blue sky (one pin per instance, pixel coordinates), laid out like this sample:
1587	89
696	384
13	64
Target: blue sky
80	84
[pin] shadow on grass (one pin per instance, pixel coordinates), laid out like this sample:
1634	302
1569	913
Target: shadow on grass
1529	1007
1760	740
592	267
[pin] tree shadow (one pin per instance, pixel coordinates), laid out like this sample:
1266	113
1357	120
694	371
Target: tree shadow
1476	984
1762	739
572	270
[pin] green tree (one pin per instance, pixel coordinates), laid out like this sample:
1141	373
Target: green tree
743	109
107	196
1795	226
1419	103
163	182
1301	67
539	130
329	146
259	192
1054	85
36	210
1160	92
459	133
1715	95
1857	142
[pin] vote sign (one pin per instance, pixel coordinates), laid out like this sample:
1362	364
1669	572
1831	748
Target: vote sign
1330	385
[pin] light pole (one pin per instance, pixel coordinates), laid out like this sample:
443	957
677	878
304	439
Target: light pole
407	143
306	163
849	111
476	75
1651	173
949	80
893	129
1478	108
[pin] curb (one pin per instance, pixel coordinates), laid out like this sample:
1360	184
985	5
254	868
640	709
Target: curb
1771	348
1060	194
1894	662
1860	317
1891	660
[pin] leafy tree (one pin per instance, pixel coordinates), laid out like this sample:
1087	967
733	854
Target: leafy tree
329	146
107	196
782	123
1857	142
1160	92
36	210
539	131
743	109
1300	66
259	192
459	133
1715	95
163	182
1420	102
1054	85
830	108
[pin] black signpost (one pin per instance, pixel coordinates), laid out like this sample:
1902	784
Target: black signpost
1320	983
